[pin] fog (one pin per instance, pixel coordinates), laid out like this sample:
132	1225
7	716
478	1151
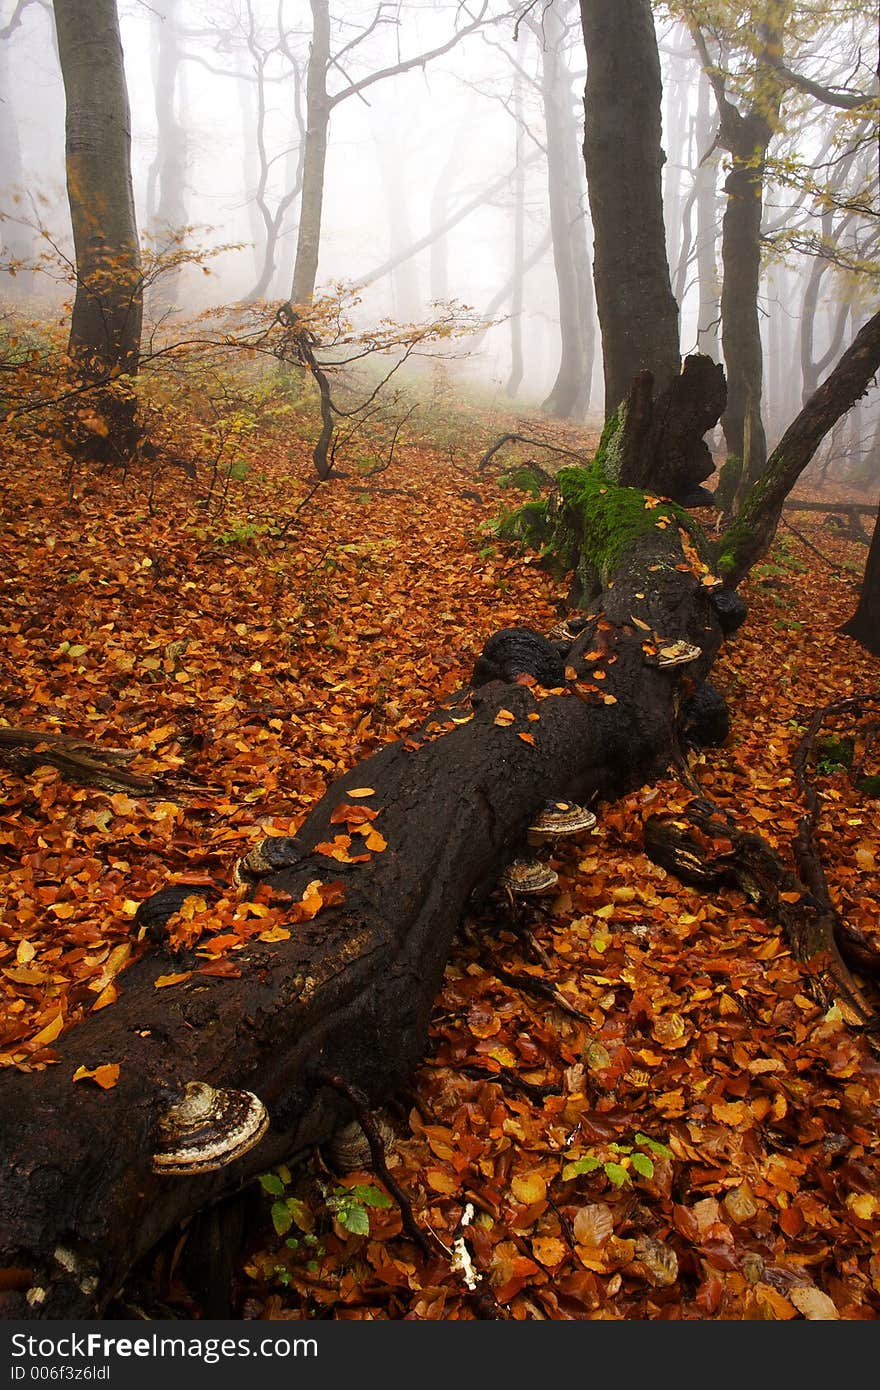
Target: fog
407	152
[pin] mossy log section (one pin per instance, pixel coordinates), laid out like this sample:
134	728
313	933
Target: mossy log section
658	441
351	991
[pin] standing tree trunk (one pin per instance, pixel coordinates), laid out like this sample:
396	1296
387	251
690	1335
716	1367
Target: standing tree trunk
638	314
105	329
305	270
747	138
746	135
707	229
751	535
515	376
571	390
16	239
864	625
166	190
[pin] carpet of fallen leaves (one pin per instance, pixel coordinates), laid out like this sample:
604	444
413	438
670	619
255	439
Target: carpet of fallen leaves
702	1145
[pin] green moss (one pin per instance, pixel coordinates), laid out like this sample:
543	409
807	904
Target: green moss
607	456
589	524
524	479
607	520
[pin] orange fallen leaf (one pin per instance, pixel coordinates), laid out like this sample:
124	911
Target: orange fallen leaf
50	1032
527	738
163	981
377	842
105	1076
504	717
361	791
226	969
109	995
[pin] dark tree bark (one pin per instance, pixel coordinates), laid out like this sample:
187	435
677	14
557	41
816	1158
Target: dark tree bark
106	324
351	991
746	135
864	625
638	314
660	442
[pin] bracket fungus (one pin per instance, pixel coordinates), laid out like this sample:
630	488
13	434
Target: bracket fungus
675	654
267	857
559	818
208	1128
525	876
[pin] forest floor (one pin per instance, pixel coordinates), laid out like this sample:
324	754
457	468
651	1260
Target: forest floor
704	1146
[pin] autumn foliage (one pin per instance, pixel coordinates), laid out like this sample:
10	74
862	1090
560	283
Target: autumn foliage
692	1136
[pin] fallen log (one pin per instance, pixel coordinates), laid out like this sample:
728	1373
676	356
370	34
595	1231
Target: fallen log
350	992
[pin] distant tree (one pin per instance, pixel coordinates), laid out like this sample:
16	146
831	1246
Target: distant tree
570	394
321	102
743	51
105	327
638	314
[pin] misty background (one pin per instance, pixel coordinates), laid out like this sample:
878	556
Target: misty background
217	94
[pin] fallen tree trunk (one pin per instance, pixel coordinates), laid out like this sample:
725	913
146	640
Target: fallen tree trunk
350	992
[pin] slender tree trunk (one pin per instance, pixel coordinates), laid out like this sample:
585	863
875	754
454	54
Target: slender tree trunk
675	139
514	379
864	625
708	219
405	296
105	327
17	240
740	324
751	535
638	314
571	390
166	186
305	270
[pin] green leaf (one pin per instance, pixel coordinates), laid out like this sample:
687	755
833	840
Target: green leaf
616	1174
643	1164
660	1150
589	1164
282	1218
271	1183
355	1218
371	1196
239	470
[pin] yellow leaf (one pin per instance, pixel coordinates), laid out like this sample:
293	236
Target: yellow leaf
528	1188
50	1032
107	996
376	842
163	981
440	1181
864	1204
25	952
105	1076
504	717
361	791
274	934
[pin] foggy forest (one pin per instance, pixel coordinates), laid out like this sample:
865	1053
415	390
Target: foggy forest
440	714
